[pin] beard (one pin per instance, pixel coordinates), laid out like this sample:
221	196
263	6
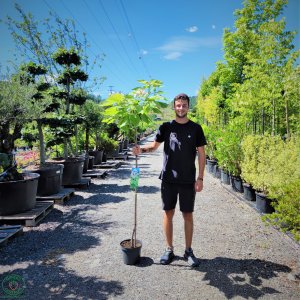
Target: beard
181	116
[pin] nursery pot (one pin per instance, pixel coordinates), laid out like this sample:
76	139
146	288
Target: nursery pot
91	162
98	156
249	192
210	165
18	196
73	168
263	204
86	163
237	184
50	180
216	171
225	177
131	256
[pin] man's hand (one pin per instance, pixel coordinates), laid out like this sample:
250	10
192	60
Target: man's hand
198	185
136	150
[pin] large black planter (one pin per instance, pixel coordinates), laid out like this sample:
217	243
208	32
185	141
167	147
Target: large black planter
131	256
237	184
125	144
249	192
120	146
91	162
86	163
73	169
18	196
113	153
263	204
98	156
50	180
210	163
225	178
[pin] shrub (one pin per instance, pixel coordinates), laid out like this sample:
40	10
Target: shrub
287	210
228	149
270	164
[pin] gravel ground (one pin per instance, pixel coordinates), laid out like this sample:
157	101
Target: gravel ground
74	252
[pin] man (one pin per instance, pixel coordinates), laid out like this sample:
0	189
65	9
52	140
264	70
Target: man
182	138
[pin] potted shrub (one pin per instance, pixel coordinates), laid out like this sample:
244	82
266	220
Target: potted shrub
65	123
229	155
211	134
17	190
50	179
134	111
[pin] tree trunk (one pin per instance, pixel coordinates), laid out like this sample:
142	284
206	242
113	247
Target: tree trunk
288	134
273	117
42	143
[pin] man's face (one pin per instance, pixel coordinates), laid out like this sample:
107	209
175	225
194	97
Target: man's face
181	108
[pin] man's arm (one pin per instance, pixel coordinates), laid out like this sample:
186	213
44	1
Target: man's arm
201	164
136	150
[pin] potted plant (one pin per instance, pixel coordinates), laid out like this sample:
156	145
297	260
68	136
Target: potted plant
64	124
133	111
211	134
50	179
17	190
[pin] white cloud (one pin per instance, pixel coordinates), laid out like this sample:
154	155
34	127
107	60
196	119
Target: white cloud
175	47
172	55
192	29
213	26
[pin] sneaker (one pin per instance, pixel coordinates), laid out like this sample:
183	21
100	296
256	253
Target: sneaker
191	259
167	257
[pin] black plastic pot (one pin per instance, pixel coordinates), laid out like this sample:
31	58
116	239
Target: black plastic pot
263	204
237	184
98	156
18	196
249	192
210	163
216	171
91	162
120	146
125	144
225	178
131	256
86	163
73	169
113	153
50	180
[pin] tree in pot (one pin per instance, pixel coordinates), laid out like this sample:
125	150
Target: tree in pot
50	179
65	122
16	109
132	112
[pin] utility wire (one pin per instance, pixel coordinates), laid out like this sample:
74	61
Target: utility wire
95	55
115	31
134	38
104	32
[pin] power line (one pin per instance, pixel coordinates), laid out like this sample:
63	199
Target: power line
104	32
134	38
95	55
115	31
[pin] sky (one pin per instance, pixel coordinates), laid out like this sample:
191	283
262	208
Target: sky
175	41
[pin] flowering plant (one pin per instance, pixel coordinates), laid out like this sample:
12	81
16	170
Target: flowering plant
26	158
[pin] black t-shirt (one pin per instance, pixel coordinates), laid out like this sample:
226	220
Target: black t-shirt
180	142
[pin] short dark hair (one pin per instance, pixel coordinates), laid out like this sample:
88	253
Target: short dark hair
182	96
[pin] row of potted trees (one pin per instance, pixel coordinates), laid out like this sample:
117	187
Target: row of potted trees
260	166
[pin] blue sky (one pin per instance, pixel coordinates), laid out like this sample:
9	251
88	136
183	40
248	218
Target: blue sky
175	41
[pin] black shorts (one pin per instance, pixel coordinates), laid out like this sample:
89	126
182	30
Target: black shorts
170	192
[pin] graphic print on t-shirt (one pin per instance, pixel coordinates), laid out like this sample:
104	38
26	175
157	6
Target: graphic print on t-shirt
174	141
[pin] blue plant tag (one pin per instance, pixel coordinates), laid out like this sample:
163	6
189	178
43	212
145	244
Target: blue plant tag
134	178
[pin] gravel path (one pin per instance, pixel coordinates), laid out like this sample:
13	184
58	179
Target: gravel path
74	253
